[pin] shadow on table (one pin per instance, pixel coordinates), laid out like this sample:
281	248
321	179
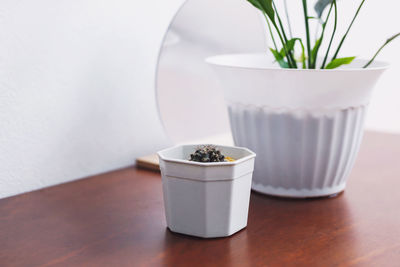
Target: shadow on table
279	231
303	231
183	249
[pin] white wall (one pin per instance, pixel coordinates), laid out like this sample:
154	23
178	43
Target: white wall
77	88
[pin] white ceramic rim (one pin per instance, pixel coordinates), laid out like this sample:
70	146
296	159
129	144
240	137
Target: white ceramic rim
208	164
218	60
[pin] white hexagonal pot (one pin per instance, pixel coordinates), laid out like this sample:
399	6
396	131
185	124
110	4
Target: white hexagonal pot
206	199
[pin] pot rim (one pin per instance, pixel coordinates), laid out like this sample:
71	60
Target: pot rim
162	156
221	61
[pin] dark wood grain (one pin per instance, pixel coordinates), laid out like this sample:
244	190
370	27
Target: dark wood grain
117	219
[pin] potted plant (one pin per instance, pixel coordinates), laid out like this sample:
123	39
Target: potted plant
302	113
206	189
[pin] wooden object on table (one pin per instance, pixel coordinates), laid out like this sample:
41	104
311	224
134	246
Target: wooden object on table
117	219
150	162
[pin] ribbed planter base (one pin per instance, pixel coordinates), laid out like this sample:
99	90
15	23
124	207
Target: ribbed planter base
300	153
294	193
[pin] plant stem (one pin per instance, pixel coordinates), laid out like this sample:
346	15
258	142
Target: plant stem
333	35
380	49
270	31
320	22
348	30
303	56
288	18
280	38
289	53
284	46
307	32
319	41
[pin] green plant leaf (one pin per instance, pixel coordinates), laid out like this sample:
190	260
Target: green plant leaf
314	51
290	48
290	43
256	4
320	6
280	58
337	62
265	6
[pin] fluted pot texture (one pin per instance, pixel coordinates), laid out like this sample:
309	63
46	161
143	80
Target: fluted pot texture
306	126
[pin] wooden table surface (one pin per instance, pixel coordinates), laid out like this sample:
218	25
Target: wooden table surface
117	219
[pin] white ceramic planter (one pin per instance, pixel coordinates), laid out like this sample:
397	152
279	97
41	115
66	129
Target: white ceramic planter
206	199
305	125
